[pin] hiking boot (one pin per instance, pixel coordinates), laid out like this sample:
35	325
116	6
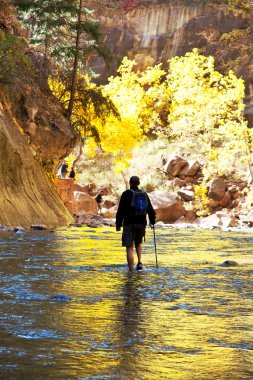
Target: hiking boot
139	266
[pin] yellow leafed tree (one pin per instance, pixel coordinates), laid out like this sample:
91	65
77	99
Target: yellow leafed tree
206	117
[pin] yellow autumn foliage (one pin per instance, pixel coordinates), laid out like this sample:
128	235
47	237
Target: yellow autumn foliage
198	110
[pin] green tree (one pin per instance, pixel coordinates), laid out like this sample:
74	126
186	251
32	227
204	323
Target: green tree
68	32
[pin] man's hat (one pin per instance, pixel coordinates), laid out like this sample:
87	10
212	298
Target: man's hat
134	180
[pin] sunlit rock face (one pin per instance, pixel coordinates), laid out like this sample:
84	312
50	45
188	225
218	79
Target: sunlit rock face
153	33
34	136
30	139
155	25
149	34
27	196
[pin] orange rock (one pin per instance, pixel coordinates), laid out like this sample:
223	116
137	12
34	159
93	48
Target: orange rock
226	199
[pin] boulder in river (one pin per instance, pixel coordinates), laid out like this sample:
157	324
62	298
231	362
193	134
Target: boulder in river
168	206
39	227
230	263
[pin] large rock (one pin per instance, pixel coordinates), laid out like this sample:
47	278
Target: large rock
109	213
217	189
218	220
247	219
174	165
191	169
168	206
85	203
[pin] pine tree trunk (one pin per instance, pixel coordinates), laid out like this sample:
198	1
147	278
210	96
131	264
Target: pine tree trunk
76	61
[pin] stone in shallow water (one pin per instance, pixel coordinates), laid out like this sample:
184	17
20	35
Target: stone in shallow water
230	263
39	227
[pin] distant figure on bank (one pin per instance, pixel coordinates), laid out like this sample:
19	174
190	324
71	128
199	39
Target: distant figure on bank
72	173
64	169
99	201
133	207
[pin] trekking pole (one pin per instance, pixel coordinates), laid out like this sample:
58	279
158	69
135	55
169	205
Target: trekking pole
155	247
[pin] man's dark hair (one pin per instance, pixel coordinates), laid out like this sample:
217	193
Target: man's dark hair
134	181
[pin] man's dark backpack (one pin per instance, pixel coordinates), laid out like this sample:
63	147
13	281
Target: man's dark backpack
139	202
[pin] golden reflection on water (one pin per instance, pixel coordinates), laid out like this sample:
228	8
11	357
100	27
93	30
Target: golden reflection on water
180	322
190	319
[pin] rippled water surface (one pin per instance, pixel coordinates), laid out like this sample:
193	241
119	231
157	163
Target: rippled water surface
70	309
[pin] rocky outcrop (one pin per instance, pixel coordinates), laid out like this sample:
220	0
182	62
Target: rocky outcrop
27	195
181	171
152	32
34	135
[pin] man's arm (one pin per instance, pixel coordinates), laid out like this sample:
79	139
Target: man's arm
120	213
151	212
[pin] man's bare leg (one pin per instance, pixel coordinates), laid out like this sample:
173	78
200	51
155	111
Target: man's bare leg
139	252
130	258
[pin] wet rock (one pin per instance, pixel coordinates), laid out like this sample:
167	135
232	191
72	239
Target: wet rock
39	227
230	263
168	206
109	222
3	228
94	224
217	189
19	230
95	221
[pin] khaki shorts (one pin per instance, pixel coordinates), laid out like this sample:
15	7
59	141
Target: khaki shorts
133	234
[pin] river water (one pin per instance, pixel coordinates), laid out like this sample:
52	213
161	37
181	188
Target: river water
70	309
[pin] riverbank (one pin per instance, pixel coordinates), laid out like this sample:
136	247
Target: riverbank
97	221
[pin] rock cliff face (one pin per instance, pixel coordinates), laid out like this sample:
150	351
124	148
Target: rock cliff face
155	32
27	195
34	136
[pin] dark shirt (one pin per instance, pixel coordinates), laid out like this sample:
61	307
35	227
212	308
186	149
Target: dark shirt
125	213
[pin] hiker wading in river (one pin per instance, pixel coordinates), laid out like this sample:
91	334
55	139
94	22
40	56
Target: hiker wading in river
133	207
